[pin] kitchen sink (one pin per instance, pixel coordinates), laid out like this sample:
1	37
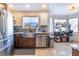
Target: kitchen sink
28	35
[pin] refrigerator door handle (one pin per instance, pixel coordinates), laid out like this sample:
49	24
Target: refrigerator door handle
3	24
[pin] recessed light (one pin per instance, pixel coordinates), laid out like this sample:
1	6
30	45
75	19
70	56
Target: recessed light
27	5
44	6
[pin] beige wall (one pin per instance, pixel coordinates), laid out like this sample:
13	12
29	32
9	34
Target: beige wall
43	16
76	37
3	5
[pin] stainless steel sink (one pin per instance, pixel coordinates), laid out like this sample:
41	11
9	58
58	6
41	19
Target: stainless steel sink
28	35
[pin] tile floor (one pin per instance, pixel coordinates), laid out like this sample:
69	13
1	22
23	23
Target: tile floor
24	52
59	49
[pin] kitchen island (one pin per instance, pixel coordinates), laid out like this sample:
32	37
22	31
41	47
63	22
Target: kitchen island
31	40
22	40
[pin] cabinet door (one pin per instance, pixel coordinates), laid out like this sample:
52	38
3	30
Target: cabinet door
40	41
38	38
17	40
31	43
20	43
25	43
28	43
43	41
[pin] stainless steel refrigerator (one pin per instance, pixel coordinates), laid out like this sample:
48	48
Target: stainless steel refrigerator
6	32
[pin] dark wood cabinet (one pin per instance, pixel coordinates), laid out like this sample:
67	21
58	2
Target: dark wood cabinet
39	40
24	42
29	42
17	38
75	52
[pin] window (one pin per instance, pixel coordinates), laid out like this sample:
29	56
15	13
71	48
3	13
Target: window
59	25
74	24
30	22
50	25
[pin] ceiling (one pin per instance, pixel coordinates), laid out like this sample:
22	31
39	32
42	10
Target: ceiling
62	9
32	7
53	8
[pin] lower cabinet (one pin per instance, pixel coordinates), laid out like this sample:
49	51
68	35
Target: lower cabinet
75	52
17	38
42	40
24	42
29	42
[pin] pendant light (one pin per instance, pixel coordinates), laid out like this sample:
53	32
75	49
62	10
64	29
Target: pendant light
73	7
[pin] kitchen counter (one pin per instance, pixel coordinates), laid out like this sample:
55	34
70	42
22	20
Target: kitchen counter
75	49
19	33
75	46
26	40
41	33
32	32
23	34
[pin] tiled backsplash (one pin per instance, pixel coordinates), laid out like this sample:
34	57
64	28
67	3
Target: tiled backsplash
17	28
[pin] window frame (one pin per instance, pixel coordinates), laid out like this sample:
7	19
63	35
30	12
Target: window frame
30	17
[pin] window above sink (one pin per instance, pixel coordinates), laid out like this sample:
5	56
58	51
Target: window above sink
30	23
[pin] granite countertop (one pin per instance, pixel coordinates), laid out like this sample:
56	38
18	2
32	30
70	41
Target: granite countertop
32	33
41	33
75	46
19	33
29	34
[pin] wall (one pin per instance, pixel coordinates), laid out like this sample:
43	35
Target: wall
43	16
76	37
3	5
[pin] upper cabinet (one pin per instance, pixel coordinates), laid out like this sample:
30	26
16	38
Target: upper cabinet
43	18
